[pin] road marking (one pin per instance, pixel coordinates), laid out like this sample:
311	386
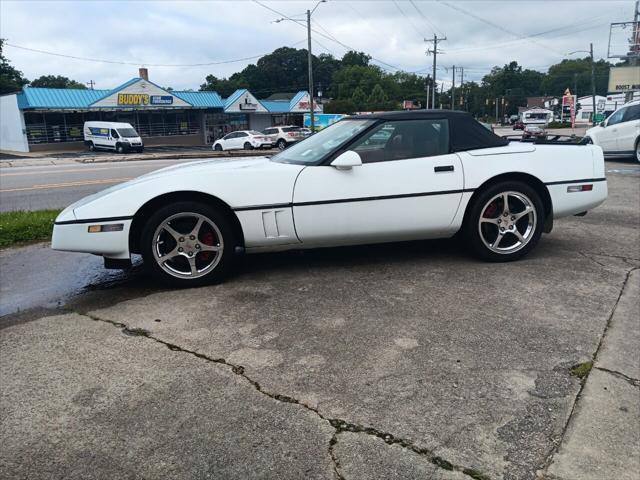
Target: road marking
66	185
63	170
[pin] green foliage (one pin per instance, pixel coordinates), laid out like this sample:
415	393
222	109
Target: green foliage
559	125
21	226
359	99
56	81
11	80
340	106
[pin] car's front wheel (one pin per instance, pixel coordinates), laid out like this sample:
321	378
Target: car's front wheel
119	148
187	244
505	222
248	146
217	147
638	149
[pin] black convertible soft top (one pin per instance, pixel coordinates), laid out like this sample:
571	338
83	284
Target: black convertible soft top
465	133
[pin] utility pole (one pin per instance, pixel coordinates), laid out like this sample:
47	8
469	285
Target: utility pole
435	54
593	86
91	83
496	110
462	87
312	120
453	88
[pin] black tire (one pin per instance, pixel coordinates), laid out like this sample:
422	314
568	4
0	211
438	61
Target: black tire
248	146
221	220
281	144
638	149
119	148
92	147
140	150
476	233
217	147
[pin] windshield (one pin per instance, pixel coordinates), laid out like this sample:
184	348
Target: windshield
312	149
128	132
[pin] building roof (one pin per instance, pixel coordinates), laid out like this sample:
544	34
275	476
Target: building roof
59	97
281	96
71	99
200	99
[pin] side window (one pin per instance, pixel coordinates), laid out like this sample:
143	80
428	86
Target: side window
114	134
268	131
403	139
616	117
632	113
229	136
241	134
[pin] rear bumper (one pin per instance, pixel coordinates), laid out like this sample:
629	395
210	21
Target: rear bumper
567	203
75	237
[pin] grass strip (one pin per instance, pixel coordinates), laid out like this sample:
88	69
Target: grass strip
25	226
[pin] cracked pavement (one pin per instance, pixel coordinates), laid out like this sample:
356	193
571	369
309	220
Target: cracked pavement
389	361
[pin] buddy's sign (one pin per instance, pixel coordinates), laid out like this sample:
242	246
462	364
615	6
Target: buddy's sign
142	99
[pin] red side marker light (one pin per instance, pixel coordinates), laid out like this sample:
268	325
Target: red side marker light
580	188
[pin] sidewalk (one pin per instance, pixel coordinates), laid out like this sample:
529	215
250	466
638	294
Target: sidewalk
31	159
602	440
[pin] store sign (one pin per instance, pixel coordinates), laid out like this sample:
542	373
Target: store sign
133	99
248	106
624	79
161	100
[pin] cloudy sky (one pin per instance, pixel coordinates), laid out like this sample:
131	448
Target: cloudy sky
172	37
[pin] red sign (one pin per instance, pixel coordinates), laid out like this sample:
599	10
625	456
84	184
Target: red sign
570	100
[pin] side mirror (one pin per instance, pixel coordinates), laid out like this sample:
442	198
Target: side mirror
603	124
347	160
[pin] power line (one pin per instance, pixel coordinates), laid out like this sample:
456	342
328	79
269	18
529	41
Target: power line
434	28
121	62
408	18
499	27
335	40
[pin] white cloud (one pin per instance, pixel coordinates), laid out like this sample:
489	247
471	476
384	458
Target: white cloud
162	32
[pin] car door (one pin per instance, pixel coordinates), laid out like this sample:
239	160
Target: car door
113	137
409	186
608	138
240	139
227	140
628	129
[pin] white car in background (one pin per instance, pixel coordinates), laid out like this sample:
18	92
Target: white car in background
376	178
242	140
284	136
619	135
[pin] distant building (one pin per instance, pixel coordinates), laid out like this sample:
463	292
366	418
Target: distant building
41	118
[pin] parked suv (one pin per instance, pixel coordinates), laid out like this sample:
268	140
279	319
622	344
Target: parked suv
619	135
284	136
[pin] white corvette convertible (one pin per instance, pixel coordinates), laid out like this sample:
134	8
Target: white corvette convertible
366	179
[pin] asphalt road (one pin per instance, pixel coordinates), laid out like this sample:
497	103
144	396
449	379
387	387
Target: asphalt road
56	186
407	360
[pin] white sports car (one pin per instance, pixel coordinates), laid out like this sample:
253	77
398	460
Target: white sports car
365	179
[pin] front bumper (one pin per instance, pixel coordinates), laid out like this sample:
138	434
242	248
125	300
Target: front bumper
74	236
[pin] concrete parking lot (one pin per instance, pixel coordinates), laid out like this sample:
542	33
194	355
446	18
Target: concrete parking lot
391	361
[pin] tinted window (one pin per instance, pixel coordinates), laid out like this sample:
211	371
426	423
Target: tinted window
404	139
269	131
290	129
241	134
616	117
229	136
632	113
114	134
128	132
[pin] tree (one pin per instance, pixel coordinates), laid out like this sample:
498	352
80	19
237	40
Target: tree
378	99
353	58
359	99
56	81
576	74
11	79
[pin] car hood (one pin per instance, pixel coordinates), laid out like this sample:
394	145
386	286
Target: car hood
593	130
237	182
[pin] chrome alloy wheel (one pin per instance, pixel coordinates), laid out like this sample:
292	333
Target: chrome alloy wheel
187	245
638	150
507	222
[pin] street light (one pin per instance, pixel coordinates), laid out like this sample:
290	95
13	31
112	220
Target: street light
309	58
593	81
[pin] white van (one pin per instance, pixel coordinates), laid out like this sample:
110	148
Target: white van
121	137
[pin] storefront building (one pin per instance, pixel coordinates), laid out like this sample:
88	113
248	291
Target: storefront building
44	118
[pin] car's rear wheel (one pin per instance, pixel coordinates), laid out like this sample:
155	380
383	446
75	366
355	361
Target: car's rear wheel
217	147
187	244
248	146
638	149
92	147
505	222
119	148
282	144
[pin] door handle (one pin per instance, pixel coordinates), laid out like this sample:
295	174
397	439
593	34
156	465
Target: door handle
443	168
